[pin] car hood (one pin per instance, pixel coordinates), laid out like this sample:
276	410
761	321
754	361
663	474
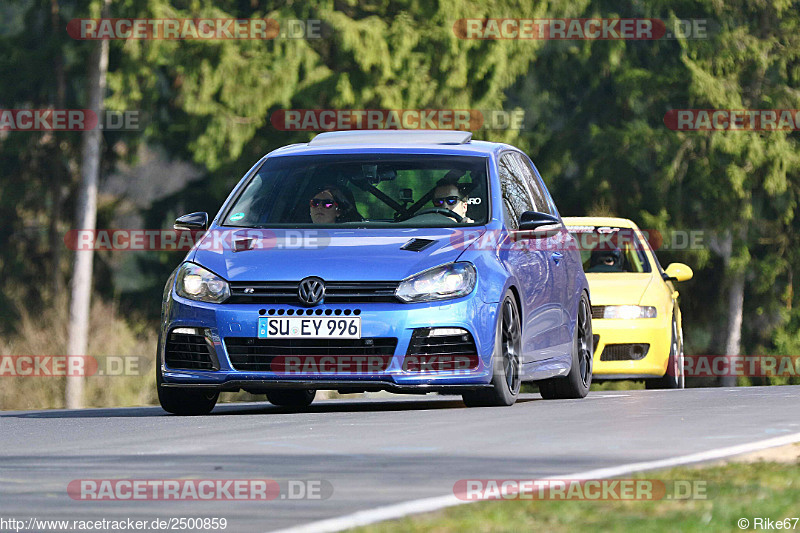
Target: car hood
341	255
618	289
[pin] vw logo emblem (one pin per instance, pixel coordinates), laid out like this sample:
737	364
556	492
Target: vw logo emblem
249	290
311	291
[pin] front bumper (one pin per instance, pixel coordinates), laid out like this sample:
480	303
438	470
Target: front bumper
378	320
653	331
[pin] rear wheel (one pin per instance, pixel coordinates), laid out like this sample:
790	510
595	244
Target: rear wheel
505	360
674	377
575	384
292	398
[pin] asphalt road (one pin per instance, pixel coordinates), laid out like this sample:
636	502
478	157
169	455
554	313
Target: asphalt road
372	452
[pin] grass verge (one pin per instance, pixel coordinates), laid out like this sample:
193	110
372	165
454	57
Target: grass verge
766	490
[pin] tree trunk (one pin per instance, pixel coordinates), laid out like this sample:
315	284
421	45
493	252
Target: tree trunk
85	219
56	243
734	334
723	245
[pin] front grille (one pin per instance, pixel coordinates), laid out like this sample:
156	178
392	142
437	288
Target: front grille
188	352
433	349
270	355
285	292
598	310
291	311
624	352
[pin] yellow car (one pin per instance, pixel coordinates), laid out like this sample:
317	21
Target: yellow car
635	314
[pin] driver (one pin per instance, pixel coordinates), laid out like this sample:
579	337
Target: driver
447	196
606	261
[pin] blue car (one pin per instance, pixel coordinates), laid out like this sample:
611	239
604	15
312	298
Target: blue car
407	261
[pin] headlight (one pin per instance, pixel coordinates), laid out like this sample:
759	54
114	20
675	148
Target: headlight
197	283
440	283
629	311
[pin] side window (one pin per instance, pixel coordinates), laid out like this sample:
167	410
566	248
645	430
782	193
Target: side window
516	199
646	244
639	250
540	200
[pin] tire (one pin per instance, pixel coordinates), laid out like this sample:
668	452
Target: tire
184	402
576	384
505	360
674	378
292	398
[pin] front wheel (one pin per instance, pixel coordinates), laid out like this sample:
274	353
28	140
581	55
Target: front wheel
187	402
184	402
505	360
575	384
674	377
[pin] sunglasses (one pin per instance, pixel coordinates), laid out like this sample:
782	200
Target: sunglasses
451	200
327	204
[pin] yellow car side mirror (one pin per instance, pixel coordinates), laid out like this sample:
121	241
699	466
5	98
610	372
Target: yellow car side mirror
678	272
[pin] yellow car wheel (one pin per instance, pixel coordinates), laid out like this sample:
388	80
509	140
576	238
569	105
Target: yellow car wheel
674	377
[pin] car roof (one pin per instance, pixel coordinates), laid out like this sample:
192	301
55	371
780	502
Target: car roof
446	142
391	137
599	221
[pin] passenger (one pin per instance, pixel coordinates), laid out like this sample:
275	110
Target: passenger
447	195
330	205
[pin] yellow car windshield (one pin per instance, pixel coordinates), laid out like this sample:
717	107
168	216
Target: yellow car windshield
608	249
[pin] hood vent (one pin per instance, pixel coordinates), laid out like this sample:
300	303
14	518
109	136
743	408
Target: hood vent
417	245
242	244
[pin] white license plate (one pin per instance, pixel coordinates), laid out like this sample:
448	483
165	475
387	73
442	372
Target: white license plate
318	327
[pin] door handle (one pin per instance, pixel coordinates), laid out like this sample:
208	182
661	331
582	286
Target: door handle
557	256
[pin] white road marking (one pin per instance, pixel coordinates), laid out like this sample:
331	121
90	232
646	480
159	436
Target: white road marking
425	505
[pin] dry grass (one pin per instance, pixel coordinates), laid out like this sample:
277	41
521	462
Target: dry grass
110	334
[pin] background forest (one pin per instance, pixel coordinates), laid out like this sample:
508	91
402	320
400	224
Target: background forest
594	125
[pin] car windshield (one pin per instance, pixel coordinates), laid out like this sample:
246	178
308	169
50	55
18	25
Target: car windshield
364	190
608	249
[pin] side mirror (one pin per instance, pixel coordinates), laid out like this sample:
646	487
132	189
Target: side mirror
678	272
542	224
192	221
